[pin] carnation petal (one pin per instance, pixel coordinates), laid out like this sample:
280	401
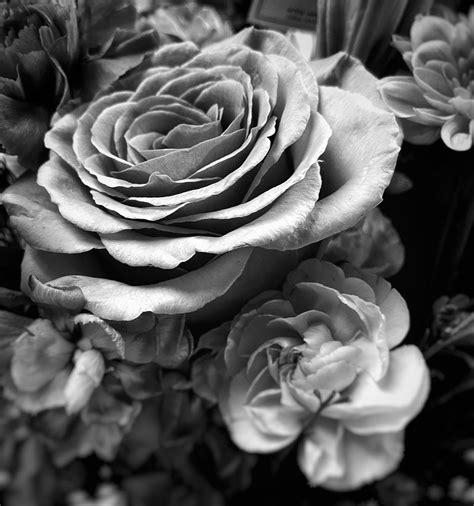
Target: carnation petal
39	354
244	432
338	460
389	404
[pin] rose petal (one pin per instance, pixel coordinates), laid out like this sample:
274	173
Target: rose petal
117	301
38	221
357	174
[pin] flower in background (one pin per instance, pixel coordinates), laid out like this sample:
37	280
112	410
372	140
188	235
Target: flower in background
320	362
364	28
373	244
54	51
438	99
200	24
107	494
85	378
196	180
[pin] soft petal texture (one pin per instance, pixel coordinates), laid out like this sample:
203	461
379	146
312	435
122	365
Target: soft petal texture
387	406
85	377
316	363
169	190
334	458
359	167
39	354
438	100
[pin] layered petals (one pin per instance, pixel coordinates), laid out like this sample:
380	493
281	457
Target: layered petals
316	363
175	182
438	100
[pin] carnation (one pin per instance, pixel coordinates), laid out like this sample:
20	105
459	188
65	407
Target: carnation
320	364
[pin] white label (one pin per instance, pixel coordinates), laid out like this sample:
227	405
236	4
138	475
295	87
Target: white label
284	14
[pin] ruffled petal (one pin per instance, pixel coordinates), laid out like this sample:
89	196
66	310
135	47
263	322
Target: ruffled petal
334	458
389	404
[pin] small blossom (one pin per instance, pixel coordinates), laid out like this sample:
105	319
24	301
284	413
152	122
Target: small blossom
202	25
438	98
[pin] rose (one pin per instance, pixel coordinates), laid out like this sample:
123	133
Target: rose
319	361
182	178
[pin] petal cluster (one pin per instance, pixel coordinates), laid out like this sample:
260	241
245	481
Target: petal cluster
178	176
51	52
85	374
438	99
319	362
201	24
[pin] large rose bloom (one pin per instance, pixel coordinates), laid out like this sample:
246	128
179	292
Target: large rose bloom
320	362
163	194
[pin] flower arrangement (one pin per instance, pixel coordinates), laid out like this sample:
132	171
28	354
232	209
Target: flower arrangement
197	225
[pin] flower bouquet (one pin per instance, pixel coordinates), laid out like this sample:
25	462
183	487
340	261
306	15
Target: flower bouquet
199	217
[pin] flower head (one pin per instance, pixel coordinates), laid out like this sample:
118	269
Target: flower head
176	182
85	375
438	99
202	25
320	362
373	244
54	51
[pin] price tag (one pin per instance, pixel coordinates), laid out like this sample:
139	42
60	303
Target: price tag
284	14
